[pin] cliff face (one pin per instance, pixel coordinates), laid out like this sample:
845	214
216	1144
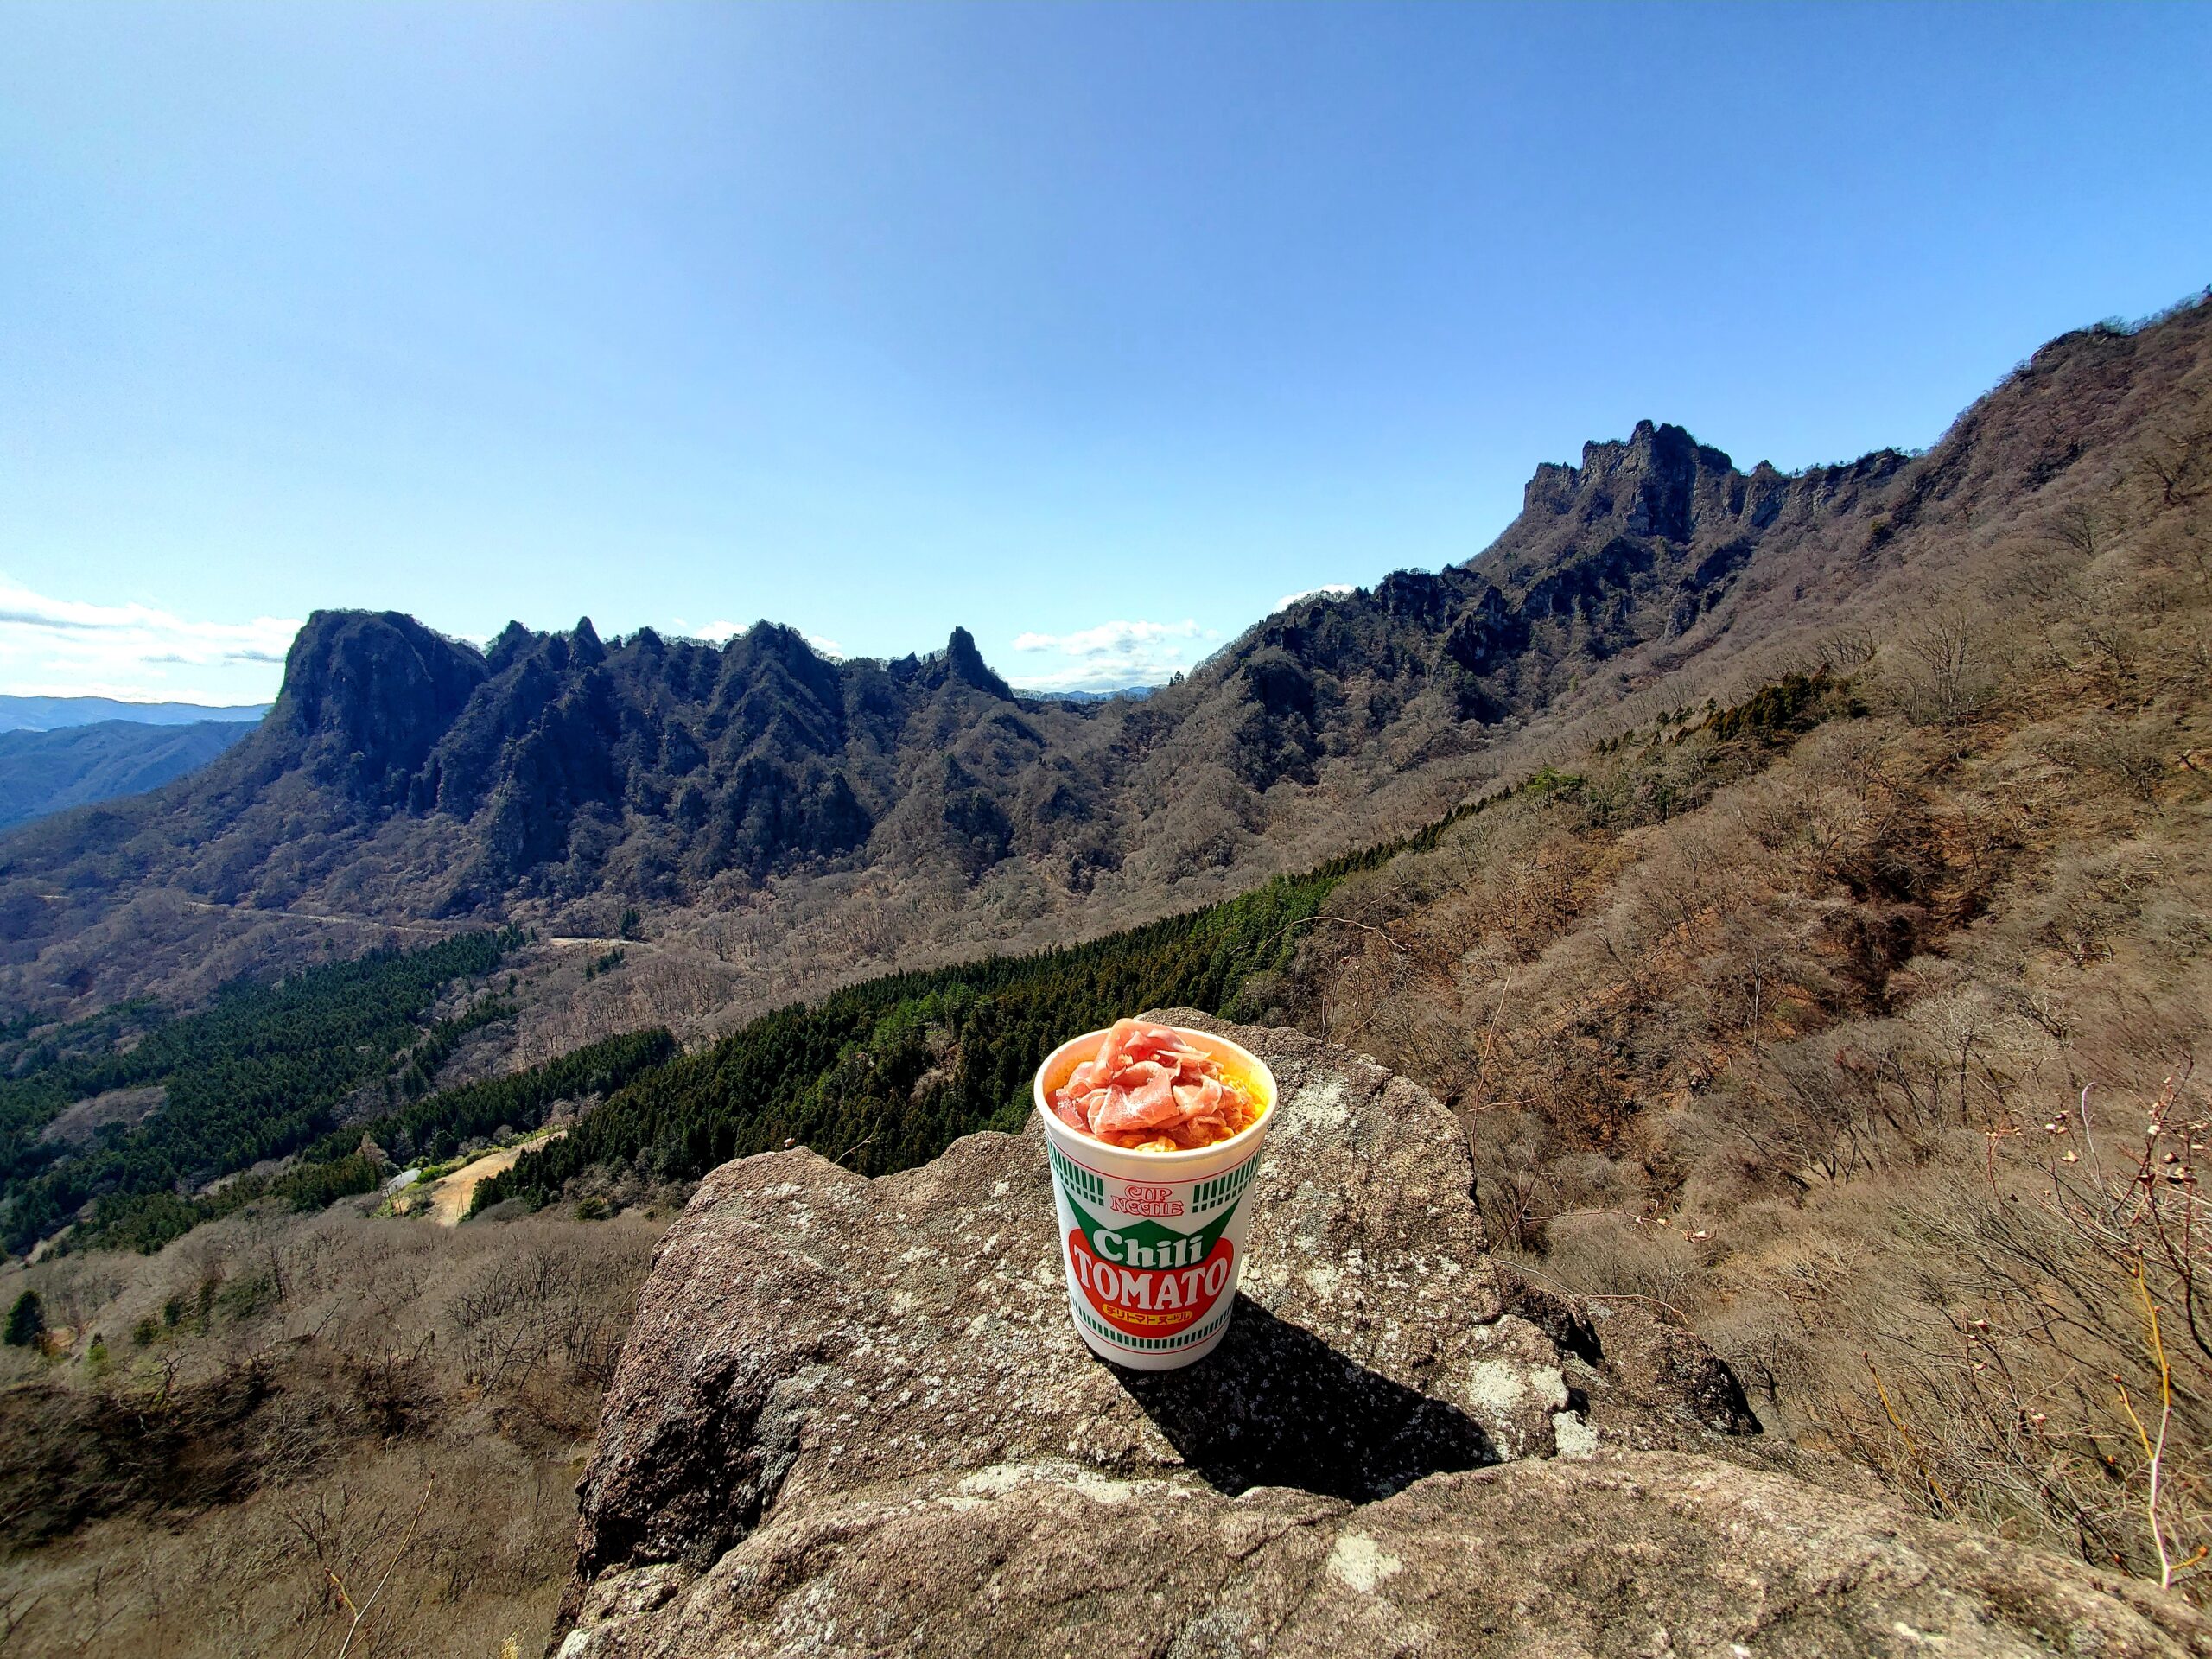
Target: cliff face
852	1418
553	763
366	697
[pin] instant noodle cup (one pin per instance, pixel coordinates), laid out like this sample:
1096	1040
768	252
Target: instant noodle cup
1154	1241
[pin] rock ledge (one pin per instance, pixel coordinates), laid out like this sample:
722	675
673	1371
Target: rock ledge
853	1418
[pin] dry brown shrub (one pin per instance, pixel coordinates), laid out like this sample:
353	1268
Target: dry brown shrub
302	1382
2045	1370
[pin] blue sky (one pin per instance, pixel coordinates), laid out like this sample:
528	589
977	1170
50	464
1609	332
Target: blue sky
1096	329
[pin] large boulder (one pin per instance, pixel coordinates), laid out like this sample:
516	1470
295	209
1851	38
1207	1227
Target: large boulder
853	1417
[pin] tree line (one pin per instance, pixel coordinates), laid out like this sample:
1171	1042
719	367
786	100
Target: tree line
256	1075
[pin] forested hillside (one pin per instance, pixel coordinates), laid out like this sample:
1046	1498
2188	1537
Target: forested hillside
886	1074
257	1075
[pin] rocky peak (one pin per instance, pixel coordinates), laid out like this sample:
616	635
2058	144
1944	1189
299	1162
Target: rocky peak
770	650
963	663
1655	484
852	1418
514	639
367	694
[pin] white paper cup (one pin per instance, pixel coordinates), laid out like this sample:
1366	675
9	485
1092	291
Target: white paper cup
1152	1242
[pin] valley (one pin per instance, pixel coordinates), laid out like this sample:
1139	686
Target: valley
1796	887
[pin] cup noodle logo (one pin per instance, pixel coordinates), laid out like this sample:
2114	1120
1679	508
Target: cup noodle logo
1150	1260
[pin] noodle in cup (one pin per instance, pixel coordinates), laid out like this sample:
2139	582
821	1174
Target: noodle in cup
1152	1242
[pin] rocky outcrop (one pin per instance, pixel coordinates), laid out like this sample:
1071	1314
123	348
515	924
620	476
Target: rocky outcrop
366	695
960	661
1645	540
758	755
853	1418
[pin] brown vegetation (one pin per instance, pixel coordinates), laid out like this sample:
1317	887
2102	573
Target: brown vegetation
1858	1032
1844	1048
281	1436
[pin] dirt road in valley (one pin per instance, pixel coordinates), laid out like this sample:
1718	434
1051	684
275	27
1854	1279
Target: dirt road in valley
435	929
449	1194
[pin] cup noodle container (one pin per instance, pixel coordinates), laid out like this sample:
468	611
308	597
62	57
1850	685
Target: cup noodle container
1152	1242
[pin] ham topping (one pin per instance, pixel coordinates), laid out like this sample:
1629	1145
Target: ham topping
1148	1089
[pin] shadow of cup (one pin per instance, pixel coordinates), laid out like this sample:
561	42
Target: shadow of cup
1276	1406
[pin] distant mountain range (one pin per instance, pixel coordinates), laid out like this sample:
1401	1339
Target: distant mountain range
401	774
43	771
51	714
1133	692
57	752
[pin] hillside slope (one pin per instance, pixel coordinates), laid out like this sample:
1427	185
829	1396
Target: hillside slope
1881	1061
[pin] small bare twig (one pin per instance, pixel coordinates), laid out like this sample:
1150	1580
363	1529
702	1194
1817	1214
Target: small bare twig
1935	1490
406	1542
1342	921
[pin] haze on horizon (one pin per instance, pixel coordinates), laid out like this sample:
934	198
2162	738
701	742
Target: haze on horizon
1096	329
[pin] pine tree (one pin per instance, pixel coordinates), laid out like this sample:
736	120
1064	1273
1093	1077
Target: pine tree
26	1320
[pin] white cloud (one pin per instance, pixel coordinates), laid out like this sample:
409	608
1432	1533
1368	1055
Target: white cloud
1331	589
75	648
1113	655
824	647
1108	639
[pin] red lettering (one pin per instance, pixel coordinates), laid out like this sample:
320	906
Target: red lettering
1141	1303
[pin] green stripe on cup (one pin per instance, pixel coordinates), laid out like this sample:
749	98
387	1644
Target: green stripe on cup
1223	1188
1190	1339
1075	1177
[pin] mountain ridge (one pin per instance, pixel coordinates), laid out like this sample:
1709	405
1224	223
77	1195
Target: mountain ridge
25	714
402	774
